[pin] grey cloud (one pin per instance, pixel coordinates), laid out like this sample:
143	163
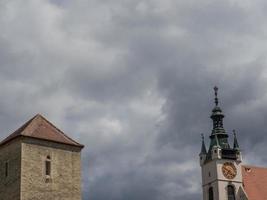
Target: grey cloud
132	80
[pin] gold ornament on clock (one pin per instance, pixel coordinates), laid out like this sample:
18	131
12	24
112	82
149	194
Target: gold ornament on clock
229	170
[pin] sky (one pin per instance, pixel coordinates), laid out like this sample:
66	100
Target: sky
133	81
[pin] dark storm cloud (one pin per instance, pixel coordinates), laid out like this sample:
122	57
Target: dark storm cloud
132	80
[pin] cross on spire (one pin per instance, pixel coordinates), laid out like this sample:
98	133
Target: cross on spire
216	95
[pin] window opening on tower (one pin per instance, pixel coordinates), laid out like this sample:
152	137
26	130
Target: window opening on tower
231	192
48	166
211	193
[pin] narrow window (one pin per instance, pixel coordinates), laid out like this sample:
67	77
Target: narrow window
231	192
210	193
48	166
6	169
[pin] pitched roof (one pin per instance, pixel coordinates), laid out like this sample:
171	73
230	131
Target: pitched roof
255	182
40	128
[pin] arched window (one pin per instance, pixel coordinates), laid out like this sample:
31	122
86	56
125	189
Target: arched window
211	193
231	192
48	166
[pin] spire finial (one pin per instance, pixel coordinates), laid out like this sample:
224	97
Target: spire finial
202	136
216	95
234	132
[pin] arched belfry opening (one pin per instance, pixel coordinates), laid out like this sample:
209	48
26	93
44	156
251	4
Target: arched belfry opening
231	192
211	194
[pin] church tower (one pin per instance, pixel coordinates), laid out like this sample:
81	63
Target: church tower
38	161
221	164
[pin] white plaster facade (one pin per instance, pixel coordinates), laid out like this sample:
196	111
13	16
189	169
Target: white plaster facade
212	176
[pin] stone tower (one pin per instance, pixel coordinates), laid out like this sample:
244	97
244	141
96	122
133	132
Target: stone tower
221	164
40	162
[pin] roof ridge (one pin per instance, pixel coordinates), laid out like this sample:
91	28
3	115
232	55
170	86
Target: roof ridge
33	128
253	166
19	130
57	129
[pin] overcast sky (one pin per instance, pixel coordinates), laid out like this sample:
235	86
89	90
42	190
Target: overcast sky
133	81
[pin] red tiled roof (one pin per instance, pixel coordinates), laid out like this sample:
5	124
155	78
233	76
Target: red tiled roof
40	128
255	182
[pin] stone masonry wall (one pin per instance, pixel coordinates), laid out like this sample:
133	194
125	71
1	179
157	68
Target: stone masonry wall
65	180
10	185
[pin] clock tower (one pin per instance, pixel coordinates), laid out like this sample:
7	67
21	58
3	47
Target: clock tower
221	163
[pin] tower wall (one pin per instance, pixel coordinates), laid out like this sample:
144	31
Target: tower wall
224	182
10	184
212	176
64	183
209	173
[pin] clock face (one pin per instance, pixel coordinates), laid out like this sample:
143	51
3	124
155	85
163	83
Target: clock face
229	170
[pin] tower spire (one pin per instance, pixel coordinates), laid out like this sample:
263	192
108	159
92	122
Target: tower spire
217	115
221	165
203	146
236	145
218	136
